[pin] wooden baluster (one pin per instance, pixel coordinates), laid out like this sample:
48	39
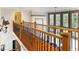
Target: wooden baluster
20	25
59	45
54	43
65	41
78	40
45	44
35	43
38	42
75	41
34	36
49	44
42	44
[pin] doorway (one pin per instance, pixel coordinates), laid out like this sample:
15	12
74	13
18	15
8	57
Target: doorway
18	17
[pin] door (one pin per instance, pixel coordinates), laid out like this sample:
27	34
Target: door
18	18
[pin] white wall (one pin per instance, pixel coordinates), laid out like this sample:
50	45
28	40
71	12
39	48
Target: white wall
6	38
8	14
0	12
26	16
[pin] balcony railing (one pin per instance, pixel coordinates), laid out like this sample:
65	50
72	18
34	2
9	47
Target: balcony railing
37	38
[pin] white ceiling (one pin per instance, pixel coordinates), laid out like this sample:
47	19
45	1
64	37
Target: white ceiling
48	9
45	10
37	10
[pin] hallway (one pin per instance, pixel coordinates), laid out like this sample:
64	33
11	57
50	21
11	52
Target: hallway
40	28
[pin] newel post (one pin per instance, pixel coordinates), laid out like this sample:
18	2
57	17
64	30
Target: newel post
65	41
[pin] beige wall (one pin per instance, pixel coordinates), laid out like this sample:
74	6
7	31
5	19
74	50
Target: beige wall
0	16
26	16
10	15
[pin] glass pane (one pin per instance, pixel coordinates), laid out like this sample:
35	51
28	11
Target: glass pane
74	20
33	19
57	23
57	19
51	19
39	20
65	20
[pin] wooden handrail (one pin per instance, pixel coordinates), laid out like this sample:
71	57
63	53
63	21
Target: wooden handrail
56	27
48	33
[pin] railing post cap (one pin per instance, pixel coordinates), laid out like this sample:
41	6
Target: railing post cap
65	34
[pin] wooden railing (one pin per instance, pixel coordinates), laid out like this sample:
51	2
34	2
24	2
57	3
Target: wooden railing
74	33
36	39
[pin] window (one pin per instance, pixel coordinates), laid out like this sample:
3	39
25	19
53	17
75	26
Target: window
74	17
65	20
58	19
